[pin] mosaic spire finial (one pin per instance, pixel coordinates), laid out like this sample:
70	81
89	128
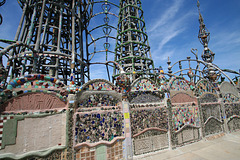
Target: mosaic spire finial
204	37
207	54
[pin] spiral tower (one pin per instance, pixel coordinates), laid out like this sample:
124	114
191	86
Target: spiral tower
49	41
132	50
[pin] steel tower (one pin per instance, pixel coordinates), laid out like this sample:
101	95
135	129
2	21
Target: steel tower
49	40
101	35
132	47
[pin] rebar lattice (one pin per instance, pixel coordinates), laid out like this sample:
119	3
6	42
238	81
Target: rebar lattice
132	48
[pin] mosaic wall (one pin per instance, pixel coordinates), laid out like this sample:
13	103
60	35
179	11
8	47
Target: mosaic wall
230	98
208	98
150	141
111	152
145	97
188	134
34	84
86	153
144	85
234	124
231	110
212	119
132	106
9	95
179	84
21	131
212	127
35	81
115	151
228	88
182	98
95	127
211	110
204	86
98	100
33	101
185	115
123	83
38	84
162	81
147	118
98	116
99	86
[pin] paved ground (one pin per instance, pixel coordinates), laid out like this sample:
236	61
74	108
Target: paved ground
226	147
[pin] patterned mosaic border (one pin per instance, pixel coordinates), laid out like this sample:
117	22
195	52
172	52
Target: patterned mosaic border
144	84
28	78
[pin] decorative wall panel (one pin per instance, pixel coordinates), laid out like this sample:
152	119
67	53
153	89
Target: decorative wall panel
232	111
148	118
185	114
182	98
204	86
178	84
150	141
35	134
85	153
115	151
144	84
211	114
98	85
208	98
33	101
213	126
142	146
187	134
95	127
230	98
98	100
211	110
234	124
145	97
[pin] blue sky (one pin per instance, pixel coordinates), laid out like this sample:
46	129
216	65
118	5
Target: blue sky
172	27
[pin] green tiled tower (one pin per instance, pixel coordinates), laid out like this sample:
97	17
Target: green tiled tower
132	50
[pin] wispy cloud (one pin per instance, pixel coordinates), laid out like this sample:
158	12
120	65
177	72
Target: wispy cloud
168	35
163	56
225	40
169	14
168	26
225	45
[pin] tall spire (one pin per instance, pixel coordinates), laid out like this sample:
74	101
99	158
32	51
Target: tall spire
132	49
207	54
204	37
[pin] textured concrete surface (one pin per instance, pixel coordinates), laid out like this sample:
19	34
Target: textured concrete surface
223	148
34	134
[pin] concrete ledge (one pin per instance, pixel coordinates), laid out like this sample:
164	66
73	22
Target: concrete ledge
39	153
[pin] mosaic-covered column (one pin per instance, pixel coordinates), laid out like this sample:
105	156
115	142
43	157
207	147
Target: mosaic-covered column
128	152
